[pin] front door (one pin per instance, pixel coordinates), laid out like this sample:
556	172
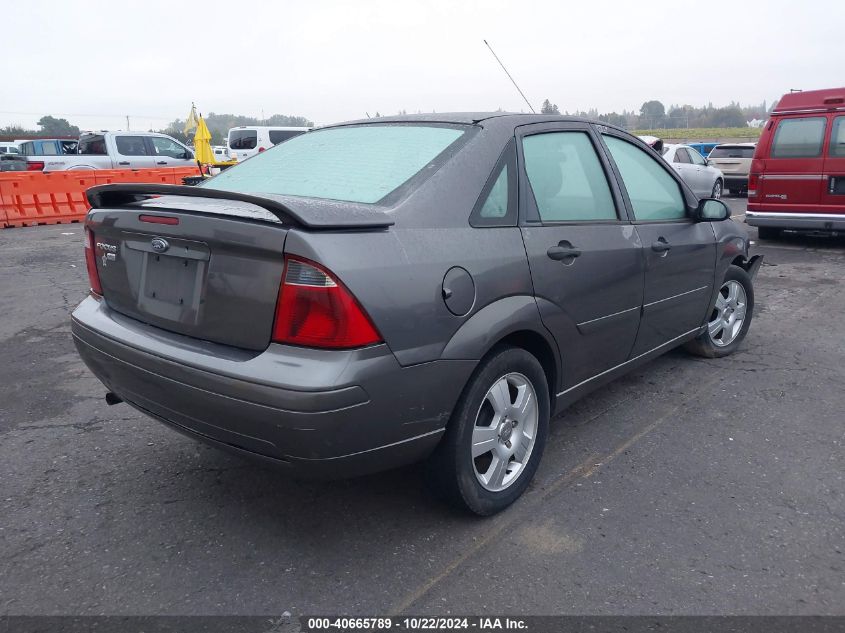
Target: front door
584	255
679	253
169	153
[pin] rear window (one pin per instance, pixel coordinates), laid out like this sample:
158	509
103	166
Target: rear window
92	145
732	152
279	136
243	139
799	138
354	164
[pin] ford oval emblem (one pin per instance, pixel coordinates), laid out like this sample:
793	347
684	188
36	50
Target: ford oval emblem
159	244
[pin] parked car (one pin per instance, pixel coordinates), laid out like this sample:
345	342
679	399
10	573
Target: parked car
797	178
9	147
704	180
702	148
221	153
118	150
12	162
49	147
249	140
440	296
734	161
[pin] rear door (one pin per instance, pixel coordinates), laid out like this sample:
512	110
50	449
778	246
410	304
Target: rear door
793	174
132	152
833	185
679	254
585	258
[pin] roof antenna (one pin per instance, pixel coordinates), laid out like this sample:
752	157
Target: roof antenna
509	76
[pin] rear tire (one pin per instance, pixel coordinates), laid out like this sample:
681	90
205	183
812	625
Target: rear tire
768	232
729	318
504	409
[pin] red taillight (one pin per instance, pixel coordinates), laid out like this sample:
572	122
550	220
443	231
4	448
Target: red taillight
315	310
753	181
35	165
260	149
91	263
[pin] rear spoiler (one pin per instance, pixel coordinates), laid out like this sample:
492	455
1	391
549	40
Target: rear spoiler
312	214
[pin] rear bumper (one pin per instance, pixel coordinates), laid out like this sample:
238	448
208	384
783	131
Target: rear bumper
797	221
327	414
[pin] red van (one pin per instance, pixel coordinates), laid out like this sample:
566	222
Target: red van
797	178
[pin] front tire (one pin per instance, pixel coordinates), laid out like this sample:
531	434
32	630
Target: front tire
717	190
729	318
496	436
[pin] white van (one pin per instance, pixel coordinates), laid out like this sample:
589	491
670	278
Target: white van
9	147
247	140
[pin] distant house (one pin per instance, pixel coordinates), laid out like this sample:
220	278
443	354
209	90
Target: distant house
755	122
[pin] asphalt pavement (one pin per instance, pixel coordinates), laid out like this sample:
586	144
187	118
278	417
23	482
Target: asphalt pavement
690	486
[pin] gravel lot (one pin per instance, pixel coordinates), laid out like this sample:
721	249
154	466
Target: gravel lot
690	486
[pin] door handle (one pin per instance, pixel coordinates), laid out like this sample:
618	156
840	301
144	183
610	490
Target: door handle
563	251
123	162
161	162
661	246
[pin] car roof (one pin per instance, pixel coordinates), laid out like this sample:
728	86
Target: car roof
471	118
809	100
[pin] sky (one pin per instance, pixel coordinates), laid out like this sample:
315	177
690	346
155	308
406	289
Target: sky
96	62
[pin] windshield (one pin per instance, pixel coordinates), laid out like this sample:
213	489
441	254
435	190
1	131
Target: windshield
732	152
353	164
243	139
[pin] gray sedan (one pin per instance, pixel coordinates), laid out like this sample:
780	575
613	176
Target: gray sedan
384	291
704	179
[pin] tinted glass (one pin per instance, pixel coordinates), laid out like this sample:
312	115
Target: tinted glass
567	178
243	139
496	205
131	146
697	158
27	149
279	136
799	138
681	156
837	137
69	147
47	148
166	147
732	152
355	164
92	145
654	194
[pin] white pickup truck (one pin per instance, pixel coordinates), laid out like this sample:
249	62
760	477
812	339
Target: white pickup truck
118	150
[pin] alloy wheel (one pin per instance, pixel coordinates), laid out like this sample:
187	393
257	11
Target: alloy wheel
505	432
728	314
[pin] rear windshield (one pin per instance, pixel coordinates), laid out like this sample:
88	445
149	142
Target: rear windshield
354	164
732	152
243	139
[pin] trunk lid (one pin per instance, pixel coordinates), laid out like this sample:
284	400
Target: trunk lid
203	263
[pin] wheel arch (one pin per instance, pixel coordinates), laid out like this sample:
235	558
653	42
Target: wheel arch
512	321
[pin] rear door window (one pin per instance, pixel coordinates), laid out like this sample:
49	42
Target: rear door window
92	145
131	146
799	137
837	137
243	139
362	163
653	192
566	178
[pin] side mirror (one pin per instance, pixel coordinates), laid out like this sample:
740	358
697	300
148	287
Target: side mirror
712	210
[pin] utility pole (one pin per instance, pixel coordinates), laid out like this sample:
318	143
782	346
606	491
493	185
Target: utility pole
127	123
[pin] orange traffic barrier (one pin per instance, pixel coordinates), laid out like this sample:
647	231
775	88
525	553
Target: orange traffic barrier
31	198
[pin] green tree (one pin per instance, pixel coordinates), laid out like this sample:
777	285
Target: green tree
549	108
57	127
